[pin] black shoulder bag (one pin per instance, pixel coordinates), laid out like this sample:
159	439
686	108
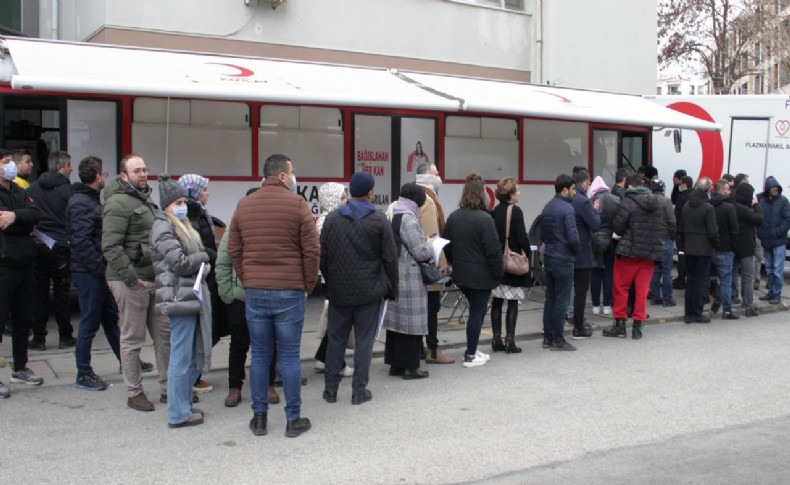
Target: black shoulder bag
428	269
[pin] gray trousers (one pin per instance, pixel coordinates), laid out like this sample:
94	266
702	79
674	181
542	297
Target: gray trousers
364	320
747	280
136	312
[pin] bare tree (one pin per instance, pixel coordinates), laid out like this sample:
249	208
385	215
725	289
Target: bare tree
717	35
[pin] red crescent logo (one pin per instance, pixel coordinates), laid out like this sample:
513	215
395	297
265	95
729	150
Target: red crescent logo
712	145
243	71
491	197
562	98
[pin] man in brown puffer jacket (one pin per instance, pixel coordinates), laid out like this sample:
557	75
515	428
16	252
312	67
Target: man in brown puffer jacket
274	249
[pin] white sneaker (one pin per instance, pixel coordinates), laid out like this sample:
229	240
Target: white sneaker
319	367
607	310
474	361
486	357
347	371
596	310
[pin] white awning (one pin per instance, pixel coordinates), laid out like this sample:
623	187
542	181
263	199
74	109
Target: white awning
43	65
558	103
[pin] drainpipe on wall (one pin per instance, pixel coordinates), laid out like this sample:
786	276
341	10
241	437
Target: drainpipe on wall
54	23
539	42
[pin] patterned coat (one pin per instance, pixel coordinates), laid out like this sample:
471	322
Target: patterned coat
409	315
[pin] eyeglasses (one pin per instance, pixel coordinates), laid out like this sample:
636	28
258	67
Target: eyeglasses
105	174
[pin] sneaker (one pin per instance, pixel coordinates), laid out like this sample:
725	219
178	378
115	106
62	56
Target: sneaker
163	398
736	301
702	319
715	306
36	344
319	367
775	301
234	398
546	343
766	297
358	398
751	312
347	371
67	342
670	303
729	316
564	347
5	392
90	382
656	301
581	332
140	402
146	367
26	376
483	356
202	387
436	356
596	310
473	360
607	310
193	420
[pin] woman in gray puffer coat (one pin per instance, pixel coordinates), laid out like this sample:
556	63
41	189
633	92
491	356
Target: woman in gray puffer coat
178	255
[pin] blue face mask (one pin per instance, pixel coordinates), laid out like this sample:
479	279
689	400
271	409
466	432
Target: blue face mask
180	211
9	171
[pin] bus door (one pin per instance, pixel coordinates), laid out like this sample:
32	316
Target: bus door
391	148
748	151
614	149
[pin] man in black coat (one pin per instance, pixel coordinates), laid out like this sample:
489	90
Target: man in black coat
684	192
750	218
97	305
588	220
700	234
359	263
18	216
51	193
727	222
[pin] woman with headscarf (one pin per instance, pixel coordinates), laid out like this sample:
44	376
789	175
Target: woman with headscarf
330	196
406	319
476	259
196	187
178	255
603	247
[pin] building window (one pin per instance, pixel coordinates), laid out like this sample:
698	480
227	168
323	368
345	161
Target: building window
514	5
673	89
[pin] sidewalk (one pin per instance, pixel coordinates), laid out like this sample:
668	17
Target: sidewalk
58	367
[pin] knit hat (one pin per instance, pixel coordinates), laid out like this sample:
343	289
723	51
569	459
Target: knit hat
194	184
361	184
169	190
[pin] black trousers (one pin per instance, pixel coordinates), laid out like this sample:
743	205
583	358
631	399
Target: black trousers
697	283
52	265
581	285
17	289
240	345
434	305
320	354
363	319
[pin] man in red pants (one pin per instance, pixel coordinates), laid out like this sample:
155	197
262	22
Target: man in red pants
640	223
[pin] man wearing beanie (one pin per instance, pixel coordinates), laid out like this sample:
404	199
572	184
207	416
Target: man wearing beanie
273	247
126	227
360	265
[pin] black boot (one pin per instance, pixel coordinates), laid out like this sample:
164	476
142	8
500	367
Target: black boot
636	332
258	424
510	326
616	330
496	325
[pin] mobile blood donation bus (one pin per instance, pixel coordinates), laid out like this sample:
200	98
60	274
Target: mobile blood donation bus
221	116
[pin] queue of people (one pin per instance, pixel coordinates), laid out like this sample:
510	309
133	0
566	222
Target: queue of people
141	267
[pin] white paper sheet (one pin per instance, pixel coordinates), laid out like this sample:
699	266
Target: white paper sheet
197	289
44	238
382	313
438	244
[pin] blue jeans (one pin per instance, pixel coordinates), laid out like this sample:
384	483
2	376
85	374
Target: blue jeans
276	316
603	278
722	261
559	282
478	304
661	284
182	371
775	267
97	308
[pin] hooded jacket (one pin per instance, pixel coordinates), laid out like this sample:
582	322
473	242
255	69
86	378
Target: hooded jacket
727	222
698	225
588	220
474	251
776	216
602	239
51	193
359	261
636	220
16	244
84	226
750	218
126	227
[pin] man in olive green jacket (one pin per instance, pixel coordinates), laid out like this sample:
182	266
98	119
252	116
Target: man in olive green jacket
128	218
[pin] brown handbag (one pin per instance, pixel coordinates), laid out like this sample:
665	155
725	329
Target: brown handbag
513	262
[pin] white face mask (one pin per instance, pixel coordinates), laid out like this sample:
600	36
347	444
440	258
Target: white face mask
9	171
180	211
293	186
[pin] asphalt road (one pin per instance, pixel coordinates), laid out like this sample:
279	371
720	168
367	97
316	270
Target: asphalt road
687	404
